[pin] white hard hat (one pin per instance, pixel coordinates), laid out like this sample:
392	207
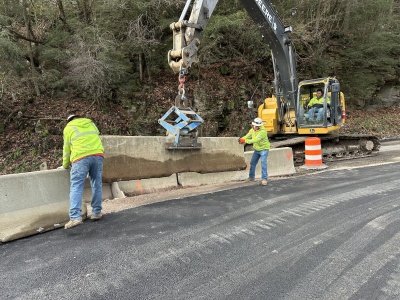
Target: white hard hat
257	122
70	117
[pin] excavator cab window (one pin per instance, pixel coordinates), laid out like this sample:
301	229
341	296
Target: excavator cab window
314	105
336	103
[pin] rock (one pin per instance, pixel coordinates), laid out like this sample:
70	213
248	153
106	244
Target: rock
43	166
390	95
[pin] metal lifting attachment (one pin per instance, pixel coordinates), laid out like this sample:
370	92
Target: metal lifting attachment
183	129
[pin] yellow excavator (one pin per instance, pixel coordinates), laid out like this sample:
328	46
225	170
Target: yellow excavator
286	113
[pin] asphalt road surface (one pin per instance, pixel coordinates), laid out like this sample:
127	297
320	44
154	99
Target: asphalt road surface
327	235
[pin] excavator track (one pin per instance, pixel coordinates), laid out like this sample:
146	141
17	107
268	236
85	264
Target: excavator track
334	147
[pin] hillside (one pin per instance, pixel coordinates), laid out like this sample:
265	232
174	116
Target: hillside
32	133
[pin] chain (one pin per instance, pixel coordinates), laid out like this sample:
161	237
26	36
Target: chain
182	80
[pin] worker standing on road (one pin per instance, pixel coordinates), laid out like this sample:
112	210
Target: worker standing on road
84	153
257	136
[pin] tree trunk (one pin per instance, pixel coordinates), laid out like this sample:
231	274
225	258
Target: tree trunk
318	17
29	32
62	12
147	68
141	66
347	15
84	13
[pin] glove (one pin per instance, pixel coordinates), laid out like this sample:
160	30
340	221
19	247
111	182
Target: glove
242	141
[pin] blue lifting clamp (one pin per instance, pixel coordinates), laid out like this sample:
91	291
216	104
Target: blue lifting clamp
183	128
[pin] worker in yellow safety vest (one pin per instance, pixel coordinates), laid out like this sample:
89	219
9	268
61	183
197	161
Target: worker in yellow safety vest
83	153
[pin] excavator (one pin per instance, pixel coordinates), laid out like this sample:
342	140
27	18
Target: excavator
286	115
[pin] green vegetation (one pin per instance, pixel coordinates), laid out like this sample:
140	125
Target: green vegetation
96	49
16	154
108	60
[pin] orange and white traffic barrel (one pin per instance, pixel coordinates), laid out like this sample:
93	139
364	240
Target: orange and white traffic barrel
313	153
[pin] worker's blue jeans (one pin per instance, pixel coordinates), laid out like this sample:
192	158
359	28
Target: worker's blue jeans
313	110
92	165
263	154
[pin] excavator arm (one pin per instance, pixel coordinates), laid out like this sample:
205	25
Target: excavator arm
187	34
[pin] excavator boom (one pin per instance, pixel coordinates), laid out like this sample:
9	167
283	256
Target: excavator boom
186	41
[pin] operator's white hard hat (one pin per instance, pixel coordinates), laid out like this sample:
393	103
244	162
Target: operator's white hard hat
257	122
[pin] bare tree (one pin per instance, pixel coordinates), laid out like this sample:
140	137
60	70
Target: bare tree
31	37
89	73
142	37
90	68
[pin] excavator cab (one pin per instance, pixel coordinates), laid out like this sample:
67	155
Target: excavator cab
320	106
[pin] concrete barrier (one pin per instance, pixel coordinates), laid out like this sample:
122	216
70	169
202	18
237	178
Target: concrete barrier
195	179
39	201
107	192
33	202
280	162
143	157
36	202
137	187
116	191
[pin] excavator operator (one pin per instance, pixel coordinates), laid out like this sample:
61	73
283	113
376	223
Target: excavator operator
316	105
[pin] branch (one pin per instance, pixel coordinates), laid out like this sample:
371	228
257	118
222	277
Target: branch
15	111
40	118
18	35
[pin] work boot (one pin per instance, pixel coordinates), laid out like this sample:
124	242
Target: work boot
73	223
249	179
96	216
264	182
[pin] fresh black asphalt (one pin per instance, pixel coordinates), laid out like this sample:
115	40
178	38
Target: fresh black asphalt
329	235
